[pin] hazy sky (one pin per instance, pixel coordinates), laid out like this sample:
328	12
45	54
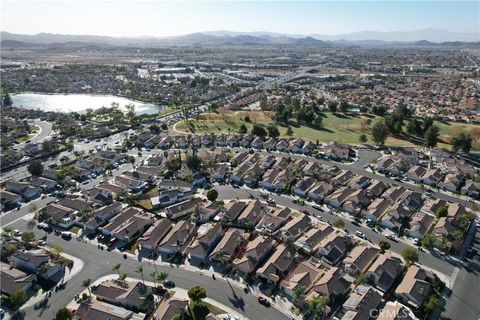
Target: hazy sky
164	18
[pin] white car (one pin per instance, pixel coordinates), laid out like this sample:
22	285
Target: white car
317	206
42	225
66	234
416	241
270	201
16	233
360	235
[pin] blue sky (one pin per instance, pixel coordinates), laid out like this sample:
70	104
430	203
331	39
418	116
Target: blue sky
165	18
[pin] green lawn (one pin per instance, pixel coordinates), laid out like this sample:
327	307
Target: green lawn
75	230
336	127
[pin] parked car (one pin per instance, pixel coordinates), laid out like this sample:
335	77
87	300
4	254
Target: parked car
264	301
67	235
42	225
360	235
270	201
169	283
391	237
416	241
317	206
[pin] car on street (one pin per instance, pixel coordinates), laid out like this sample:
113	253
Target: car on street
416	241
67	235
270	201
16	233
317	206
41	242
168	283
264	301
360	234
391	237
42	225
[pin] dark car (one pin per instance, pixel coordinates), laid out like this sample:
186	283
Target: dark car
264	301
169	283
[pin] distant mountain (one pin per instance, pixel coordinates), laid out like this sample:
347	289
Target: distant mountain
368	38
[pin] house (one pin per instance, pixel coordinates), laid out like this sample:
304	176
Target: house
360	182
119	220
359	259
206	239
310	240
169	197
282	145
177	238
253	254
272	221
305	275
165	143
130	295
472	189
396	311
239	158
219	173
333	248
356	201
257	143
455	210
319	191
415	173
296	145
133	185
29	261
336	151
100	195
206	213
444	228
432	206
280	182
13	279
183	208
302	187
132	228
228	246
311	168
267	161
394	216
270	144
432	177
170	308
394	193
296	227
251	214
411	200
278	265
376	209
45	184
384	271
233	209
150	240
269	178
338	197
10	199
415	286
375	189
60	215
24	189
342	178
361	301
452	182
384	163
332	284
101	217
175	184
94	309
421	224
308	148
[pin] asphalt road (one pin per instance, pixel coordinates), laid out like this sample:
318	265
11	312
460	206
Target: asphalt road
45	131
99	263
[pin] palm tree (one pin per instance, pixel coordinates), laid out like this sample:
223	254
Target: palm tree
153	275
122	276
162	276
86	283
317	307
117	268
140	270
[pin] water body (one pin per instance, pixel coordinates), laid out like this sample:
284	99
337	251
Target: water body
78	103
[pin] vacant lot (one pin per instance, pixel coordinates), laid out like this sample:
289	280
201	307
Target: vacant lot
336	127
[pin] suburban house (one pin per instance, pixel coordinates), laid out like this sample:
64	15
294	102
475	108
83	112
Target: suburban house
233	210
278	265
452	182
60	215
130	296
228	246
253	254
296	227
384	271
302	187
305	274
27	191
206	239
421	224
336	151
415	173
394	310
356	202
101	217
272	221
13	279
337	198
10	199
310	240
376	188
360	302
181	209
133	185
94	309
170	309
251	214
177	238
432	177
132	228
319	191
333	248
415	286
359	259
168	197
151	238
376	209
119	220
332	284
174	184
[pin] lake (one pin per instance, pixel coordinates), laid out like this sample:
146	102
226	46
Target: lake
78	102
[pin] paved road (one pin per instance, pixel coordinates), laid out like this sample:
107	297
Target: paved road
45	131
98	263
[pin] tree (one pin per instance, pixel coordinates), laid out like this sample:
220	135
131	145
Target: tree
318	121
432	304
431	136
458	235
379	132
289	132
259	131
462	142
17	298
117	268
194	162
86	284
273	131
410	255
57	251
140	270
298	293
212	195
441	212
384	245
35	167
332	106
243	129
197	294
28	236
339	223
344	106
162	275
361	279
288	241
428	240
427	123
414	127
7	99
317	306
363	138
63	314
